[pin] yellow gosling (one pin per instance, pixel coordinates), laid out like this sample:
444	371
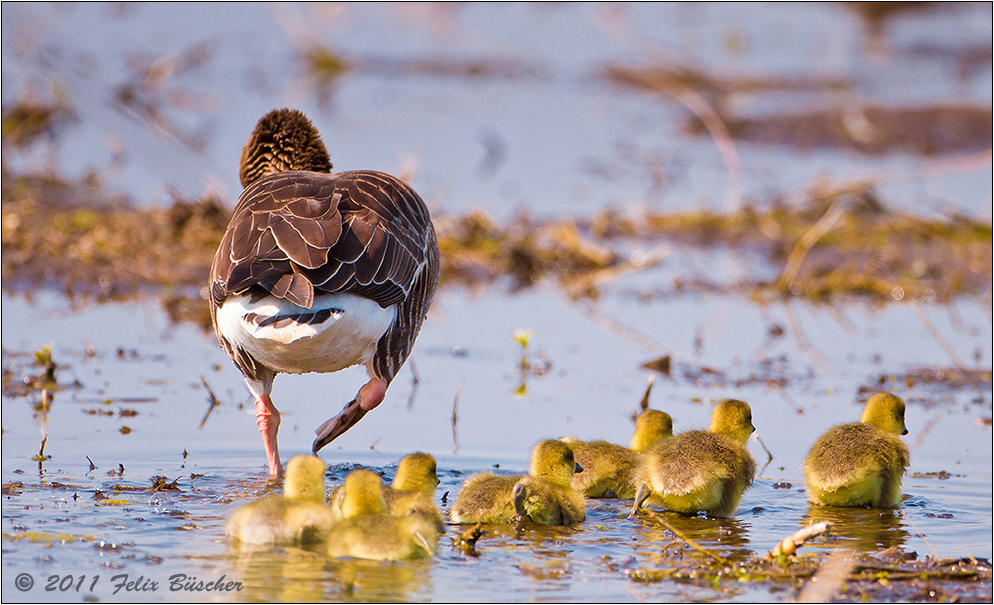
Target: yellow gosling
297	517
861	464
368	530
543	495
412	490
614	471
703	471
652	426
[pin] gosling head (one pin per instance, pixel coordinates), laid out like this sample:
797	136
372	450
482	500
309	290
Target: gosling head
416	472
363	494
886	412
304	479
553	460
733	418
283	140
650	427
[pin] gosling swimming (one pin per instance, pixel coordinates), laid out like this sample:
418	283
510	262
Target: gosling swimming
861	464
368	530
702	471
544	495
412	490
298	517
614	471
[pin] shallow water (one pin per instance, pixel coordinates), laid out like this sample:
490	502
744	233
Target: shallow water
220	465
504	143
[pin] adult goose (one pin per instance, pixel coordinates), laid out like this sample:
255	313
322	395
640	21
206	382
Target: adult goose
317	272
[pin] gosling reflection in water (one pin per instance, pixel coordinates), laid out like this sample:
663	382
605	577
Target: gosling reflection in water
296	575
865	529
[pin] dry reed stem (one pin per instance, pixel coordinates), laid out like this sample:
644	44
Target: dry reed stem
807	241
587	308
939	339
644	402
828	579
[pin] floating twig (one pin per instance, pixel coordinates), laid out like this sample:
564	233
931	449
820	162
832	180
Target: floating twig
770	456
790	544
466	542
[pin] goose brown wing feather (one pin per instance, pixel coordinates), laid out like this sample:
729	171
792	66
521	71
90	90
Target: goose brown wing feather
296	234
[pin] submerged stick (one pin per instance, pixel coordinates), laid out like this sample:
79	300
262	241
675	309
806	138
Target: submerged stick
661	521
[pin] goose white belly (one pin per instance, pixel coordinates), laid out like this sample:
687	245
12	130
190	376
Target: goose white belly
346	337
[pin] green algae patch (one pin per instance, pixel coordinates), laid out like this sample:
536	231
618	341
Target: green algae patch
37	537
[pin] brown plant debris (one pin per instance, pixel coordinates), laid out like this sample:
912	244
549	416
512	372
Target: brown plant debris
870	129
327	65
29	119
74	236
866	128
666	78
466	542
864	577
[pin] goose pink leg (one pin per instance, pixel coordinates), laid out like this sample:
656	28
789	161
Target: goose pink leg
371	394
268	419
